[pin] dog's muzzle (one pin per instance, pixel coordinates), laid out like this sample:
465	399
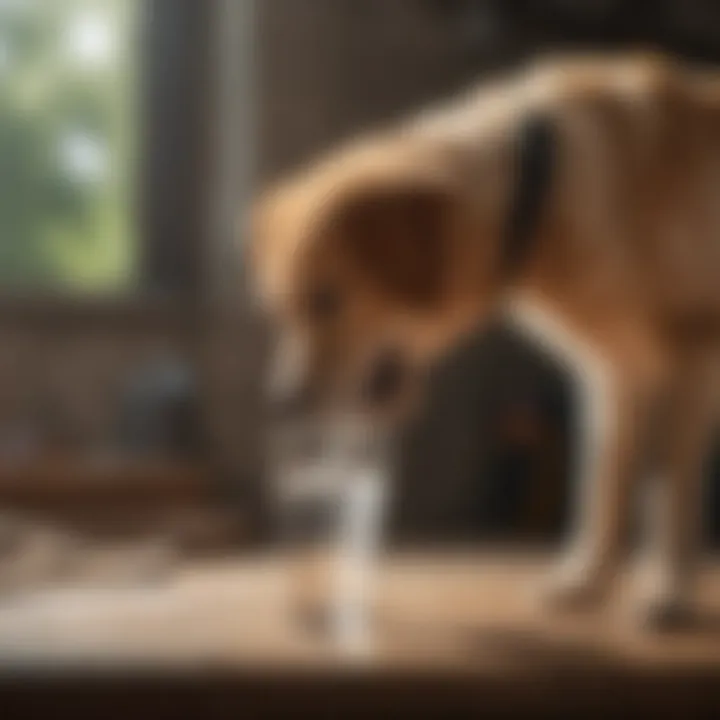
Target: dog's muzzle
385	378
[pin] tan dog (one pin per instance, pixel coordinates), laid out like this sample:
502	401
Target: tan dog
379	258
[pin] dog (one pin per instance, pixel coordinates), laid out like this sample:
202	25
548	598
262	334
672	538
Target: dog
577	198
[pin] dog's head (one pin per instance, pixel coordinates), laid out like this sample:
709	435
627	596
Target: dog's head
372	264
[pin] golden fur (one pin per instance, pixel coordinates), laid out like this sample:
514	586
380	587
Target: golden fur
622	281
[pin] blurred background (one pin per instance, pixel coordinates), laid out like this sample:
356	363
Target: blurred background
133	134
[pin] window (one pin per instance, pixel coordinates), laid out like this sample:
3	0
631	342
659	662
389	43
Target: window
103	123
68	143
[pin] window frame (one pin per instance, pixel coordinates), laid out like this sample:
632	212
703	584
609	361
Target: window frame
173	186
176	149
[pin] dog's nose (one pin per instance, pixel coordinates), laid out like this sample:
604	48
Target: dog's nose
291	403
289	389
385	378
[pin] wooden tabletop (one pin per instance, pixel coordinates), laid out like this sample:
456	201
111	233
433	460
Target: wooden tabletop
443	615
443	610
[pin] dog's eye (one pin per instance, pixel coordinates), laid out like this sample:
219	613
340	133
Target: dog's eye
324	303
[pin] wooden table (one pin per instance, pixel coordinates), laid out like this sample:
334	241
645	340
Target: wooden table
450	628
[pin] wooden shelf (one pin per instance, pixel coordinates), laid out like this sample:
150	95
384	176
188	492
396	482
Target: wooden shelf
67	480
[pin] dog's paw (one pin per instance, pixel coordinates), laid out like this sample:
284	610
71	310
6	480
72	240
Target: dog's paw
573	587
661	602
572	595
664	614
662	599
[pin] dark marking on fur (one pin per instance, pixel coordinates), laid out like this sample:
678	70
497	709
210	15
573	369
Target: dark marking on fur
535	162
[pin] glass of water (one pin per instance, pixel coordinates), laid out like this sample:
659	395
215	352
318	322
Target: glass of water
332	486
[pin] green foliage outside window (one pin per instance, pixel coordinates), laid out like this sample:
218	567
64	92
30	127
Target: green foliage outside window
68	136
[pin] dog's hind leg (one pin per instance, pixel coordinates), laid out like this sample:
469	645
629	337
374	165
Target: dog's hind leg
676	533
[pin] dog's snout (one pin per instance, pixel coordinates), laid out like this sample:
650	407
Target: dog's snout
290	403
290	389
385	377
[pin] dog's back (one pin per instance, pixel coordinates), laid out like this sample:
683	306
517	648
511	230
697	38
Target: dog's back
636	217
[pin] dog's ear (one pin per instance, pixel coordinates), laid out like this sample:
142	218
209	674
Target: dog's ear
398	238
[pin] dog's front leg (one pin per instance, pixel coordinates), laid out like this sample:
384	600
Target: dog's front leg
605	449
607	438
675	537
